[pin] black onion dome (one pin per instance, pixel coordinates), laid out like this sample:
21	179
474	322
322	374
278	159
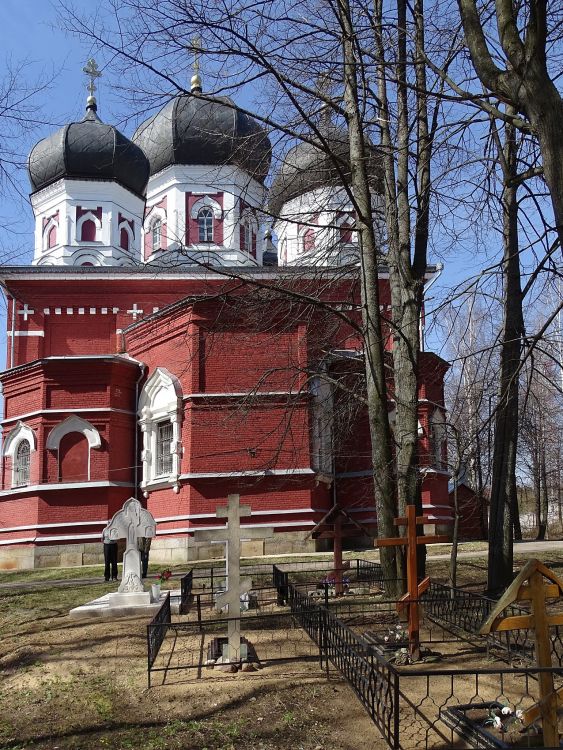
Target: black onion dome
91	150
307	167
192	129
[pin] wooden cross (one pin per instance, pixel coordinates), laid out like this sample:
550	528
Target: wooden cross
330	527
529	586
414	589
236	586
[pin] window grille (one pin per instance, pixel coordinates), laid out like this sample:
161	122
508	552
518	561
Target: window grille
21	464
163	446
205	223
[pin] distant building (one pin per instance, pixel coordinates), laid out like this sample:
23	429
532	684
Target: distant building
472	509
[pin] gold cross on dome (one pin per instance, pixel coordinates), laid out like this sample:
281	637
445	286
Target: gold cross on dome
91	70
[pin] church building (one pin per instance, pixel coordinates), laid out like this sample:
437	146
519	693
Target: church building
160	347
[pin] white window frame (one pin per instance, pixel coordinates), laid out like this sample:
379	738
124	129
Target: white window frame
207	226
52	223
160	401
73	424
125	225
88	216
16	436
18	466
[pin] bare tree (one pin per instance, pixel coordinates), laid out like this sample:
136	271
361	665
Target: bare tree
525	81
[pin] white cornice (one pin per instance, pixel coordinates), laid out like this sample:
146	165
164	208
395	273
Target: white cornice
244	394
39	412
61	486
251	473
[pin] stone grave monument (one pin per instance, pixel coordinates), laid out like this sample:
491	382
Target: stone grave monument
236	587
129	523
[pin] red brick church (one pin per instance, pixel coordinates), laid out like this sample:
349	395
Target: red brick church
160	347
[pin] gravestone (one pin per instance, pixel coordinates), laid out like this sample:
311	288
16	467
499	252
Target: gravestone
236	586
130	523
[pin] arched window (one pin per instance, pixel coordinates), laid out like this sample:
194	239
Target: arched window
74	458
246	237
205	224
124	239
164	436
52	237
21	464
160	414
438	439
308	240
18	446
346	233
73	439
88	231
156	231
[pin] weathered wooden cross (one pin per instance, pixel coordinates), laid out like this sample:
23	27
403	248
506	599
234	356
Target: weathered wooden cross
236	586
330	527
529	586
414	589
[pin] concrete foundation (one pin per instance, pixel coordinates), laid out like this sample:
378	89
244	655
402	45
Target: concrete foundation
164	551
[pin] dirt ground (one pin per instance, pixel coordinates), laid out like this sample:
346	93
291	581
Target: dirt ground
83	684
71	685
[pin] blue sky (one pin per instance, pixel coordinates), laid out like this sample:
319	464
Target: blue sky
30	30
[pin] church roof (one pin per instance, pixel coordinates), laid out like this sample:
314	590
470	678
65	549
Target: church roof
88	149
308	166
197	129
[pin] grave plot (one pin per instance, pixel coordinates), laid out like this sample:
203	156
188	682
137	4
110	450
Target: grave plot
425	678
268	643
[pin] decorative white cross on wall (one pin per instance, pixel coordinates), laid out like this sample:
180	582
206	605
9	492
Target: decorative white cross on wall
135	311
26	311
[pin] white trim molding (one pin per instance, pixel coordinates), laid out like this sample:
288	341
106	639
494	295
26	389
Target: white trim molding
160	401
18	433
73	424
206	202
36	488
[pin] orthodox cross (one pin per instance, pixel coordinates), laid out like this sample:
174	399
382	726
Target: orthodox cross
330	527
414	589
197	49
529	586
236	585
130	523
91	70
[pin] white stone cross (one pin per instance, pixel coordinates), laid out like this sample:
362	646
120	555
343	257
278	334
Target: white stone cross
130	523
135	311
26	311
236	586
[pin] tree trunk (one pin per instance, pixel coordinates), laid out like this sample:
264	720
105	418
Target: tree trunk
503	490
543	504
378	412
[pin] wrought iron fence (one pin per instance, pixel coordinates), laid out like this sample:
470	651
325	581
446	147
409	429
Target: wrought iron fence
280	579
156	632
427	707
373	680
369	571
186	583
271	641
